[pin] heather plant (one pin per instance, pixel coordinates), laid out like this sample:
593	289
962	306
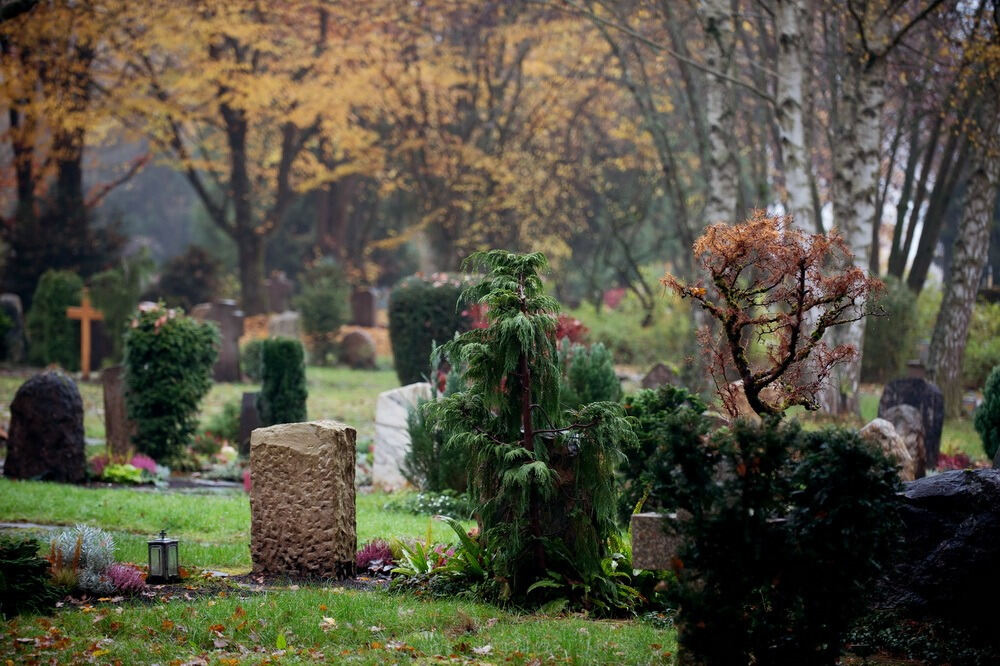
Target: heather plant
375	557
987	419
125	578
24	577
543	478
168	370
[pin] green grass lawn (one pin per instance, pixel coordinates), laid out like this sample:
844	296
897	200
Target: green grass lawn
341	394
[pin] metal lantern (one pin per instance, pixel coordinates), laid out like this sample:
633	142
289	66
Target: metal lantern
163	564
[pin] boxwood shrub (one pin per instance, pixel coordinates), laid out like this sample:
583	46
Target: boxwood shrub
168	370
283	382
53	337
423	311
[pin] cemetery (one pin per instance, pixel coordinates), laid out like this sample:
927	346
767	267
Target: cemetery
481	333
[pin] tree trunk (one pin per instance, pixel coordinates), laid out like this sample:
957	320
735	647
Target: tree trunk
790	95
723	178
855	187
971	246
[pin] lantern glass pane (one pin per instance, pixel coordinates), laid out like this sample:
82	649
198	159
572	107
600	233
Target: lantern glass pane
155	563
171	559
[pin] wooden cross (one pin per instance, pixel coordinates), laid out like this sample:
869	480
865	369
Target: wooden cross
85	314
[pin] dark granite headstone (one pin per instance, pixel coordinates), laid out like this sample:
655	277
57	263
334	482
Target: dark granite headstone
926	397
46	431
249	420
279	292
230	322
118	428
363	308
657	376
357	350
14	345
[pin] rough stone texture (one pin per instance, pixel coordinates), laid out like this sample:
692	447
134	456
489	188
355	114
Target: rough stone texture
285	325
118	428
657	376
926	397
392	435
882	433
652	547
279	292
249	420
910	426
230	322
363	308
948	563
357	350
14	346
302	514
46	431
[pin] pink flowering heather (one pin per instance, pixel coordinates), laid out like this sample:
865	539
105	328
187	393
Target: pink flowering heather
143	461
126	578
373	551
246	480
97	465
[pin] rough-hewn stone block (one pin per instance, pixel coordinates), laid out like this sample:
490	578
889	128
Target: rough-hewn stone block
652	547
302	499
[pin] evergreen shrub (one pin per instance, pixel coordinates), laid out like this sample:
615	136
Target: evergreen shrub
665	416
987	419
324	304
116	294
24	577
428	465
889	339
588	375
424	311
168	370
53	337
982	350
250	359
783	533
188	279
283	382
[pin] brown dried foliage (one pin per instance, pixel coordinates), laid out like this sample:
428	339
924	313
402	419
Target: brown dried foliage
772	284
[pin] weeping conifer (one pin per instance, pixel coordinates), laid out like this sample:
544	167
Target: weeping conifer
544	478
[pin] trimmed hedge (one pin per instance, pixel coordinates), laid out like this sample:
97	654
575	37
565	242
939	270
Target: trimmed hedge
987	419
54	338
168	370
283	382
423	311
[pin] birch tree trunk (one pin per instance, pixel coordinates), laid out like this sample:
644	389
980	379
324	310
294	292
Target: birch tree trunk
790	95
717	19
855	187
971	247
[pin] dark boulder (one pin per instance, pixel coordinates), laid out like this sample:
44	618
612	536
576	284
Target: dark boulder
951	552
46	431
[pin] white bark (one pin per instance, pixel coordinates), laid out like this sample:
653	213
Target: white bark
855	186
971	247
723	179
790	16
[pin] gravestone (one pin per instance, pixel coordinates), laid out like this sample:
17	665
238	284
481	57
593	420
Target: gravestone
910	427
118	428
357	350
249	420
279	292
363	307
882	434
14	345
653	547
392	433
302	513
45	440
657	376
230	321
926	397
285	325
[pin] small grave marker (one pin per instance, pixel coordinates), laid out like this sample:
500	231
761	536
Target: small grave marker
85	314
